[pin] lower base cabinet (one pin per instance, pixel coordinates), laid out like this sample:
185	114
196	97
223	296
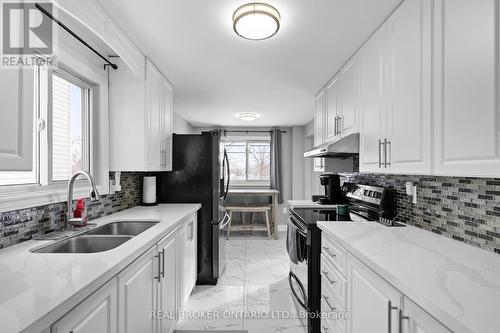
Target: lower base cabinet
96	314
374	305
146	296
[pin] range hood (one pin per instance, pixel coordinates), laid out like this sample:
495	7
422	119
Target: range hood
347	147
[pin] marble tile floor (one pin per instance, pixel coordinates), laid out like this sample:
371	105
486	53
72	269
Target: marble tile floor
252	295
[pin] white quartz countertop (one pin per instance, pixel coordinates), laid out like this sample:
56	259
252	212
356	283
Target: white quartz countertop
455	282
38	288
308	204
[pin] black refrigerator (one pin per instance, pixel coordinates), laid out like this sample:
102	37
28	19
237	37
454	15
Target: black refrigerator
200	174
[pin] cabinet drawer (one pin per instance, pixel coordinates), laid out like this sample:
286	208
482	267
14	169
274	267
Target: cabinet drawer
334	253
329	325
333	283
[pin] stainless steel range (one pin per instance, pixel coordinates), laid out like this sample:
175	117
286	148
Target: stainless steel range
359	203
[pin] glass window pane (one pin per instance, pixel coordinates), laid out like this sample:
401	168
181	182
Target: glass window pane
259	159
236	153
67	128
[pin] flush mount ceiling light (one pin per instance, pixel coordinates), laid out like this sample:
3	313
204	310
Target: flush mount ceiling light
248	116
256	21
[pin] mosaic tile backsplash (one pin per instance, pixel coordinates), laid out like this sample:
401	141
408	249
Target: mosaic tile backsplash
24	224
465	209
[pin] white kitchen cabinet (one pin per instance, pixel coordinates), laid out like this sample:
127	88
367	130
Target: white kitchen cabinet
467	113
137	288
97	313
373	101
409	112
319	118
348	105
396	131
332	110
373	302
141	113
17	119
187	255
168	288
417	320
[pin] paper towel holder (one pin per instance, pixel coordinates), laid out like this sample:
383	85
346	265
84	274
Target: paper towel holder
149	191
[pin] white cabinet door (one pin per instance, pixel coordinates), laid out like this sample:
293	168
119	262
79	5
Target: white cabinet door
373	303
96	314
166	113
373	101
17	119
467	127
319	118
183	255
137	286
332	110
349	100
169	287
193	248
154	116
417	320
409	123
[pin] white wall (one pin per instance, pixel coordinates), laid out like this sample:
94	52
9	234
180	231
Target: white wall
181	126
298	162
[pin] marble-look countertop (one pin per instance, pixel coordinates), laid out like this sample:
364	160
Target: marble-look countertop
308	204
36	289
455	282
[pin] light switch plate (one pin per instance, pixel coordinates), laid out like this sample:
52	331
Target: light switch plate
284	210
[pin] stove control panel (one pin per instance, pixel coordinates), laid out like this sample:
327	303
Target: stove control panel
364	193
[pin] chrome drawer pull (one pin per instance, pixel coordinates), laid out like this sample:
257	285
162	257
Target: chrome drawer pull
328	303
325	273
327	250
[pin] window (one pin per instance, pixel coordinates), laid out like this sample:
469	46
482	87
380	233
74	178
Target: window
249	161
61	140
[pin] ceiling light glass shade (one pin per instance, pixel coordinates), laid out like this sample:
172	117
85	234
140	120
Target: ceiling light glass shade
256	21
248	116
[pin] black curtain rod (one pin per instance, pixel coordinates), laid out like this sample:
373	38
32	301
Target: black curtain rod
62	25
229	131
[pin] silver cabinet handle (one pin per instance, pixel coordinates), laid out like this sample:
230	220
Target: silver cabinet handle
386	144
401	318
390	308
162	253
325	273
327	250
339	128
380	153
159	270
328	303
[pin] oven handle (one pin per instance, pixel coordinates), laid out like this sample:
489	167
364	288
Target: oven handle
301	286
297	225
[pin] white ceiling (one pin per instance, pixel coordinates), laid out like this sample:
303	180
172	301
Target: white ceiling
217	74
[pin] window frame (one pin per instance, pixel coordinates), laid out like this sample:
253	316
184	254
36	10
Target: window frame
43	192
87	119
247	182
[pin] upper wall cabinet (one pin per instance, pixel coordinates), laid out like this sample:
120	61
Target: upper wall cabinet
140	112
332	110
467	115
17	119
395	93
408	148
319	118
347	111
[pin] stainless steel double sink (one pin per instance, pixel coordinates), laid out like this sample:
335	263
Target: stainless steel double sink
103	238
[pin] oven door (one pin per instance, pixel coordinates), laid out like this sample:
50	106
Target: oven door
297	277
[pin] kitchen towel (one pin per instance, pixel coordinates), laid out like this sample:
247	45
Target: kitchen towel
291	242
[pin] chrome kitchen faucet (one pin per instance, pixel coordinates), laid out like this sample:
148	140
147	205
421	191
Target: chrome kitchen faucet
94	195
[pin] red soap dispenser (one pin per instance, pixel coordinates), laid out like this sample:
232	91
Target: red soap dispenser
79	212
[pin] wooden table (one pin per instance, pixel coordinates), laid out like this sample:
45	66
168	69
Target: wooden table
253	192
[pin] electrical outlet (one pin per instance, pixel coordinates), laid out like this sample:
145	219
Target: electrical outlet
411	192
284	210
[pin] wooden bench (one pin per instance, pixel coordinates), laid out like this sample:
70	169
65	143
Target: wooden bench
249	209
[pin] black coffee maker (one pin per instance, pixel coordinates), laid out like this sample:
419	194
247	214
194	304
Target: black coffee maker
331	182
